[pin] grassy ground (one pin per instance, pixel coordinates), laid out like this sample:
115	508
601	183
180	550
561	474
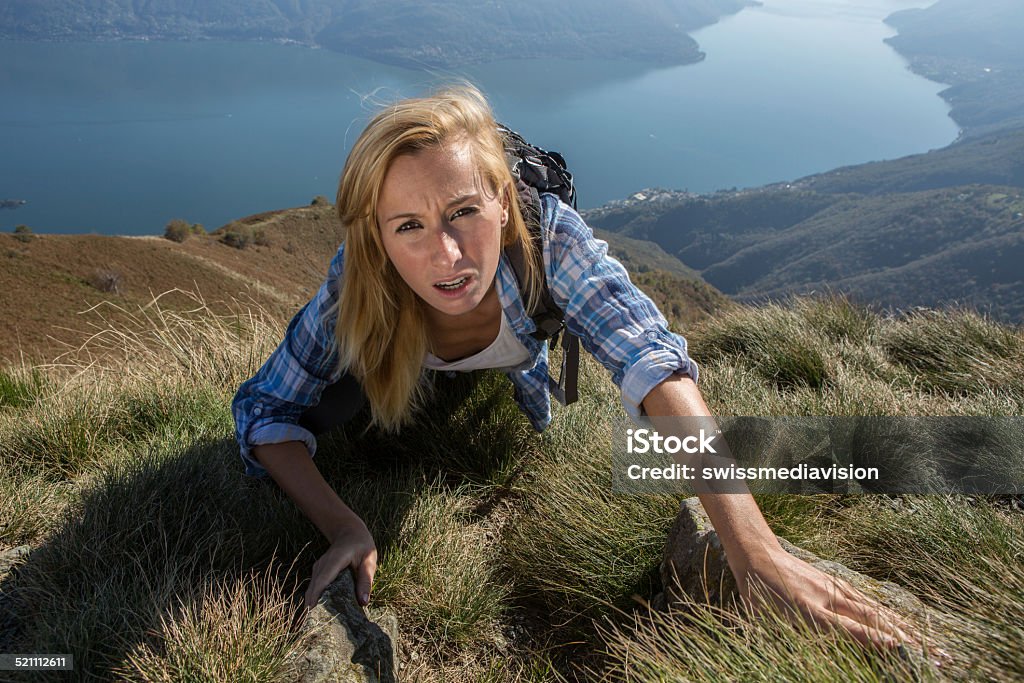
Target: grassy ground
503	553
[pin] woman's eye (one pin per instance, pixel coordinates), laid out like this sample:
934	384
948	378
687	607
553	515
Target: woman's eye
463	212
405	227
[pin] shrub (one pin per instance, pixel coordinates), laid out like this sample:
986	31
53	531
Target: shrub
23	233
197	229
106	280
320	200
177	230
956	351
777	343
259	236
237	236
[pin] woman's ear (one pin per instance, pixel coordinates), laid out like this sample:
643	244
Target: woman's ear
505	202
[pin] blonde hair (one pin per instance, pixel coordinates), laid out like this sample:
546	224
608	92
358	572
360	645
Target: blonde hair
381	330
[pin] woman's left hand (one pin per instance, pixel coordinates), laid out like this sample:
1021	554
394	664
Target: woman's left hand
797	589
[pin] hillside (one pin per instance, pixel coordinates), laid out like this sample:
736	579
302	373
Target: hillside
441	34
993	158
505	555
960	244
975	48
50	280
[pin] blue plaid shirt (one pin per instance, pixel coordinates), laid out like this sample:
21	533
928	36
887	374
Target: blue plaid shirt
614	320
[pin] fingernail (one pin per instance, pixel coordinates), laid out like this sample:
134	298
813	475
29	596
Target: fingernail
364	598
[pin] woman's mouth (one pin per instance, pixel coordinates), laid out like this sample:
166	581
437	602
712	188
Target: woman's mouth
453	287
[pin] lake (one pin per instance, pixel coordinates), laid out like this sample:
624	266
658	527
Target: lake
119	138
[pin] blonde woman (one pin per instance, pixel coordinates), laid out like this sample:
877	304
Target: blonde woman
421	280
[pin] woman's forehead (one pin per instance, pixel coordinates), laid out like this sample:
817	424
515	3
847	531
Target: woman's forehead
427	178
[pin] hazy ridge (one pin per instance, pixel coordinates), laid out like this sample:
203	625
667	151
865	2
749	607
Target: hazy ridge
975	48
441	34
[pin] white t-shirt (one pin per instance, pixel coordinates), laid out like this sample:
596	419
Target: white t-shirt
505	352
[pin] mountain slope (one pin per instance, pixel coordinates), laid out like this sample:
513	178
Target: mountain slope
444	33
995	158
975	48
958	244
50	280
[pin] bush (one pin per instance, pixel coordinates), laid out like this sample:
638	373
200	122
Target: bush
777	343
320	200
237	236
23	233
958	352
177	230
106	280
259	236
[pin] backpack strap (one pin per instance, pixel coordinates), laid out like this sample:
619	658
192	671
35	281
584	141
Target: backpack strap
537	170
546	314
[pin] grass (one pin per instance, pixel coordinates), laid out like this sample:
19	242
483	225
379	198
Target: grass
503	553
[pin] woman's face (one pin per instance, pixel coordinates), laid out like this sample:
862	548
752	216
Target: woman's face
441	226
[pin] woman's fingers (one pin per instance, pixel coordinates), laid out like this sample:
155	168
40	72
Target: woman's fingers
854	604
364	577
325	570
864	633
875	619
333	562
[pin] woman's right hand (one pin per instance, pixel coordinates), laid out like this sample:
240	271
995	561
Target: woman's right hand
352	547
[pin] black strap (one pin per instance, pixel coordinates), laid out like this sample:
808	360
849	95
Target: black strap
546	314
537	170
566	389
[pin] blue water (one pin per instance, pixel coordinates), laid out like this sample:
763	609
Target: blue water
119	138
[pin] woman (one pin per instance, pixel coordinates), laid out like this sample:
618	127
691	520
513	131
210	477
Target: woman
421	281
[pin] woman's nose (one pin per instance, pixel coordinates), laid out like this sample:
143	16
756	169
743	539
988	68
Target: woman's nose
447	252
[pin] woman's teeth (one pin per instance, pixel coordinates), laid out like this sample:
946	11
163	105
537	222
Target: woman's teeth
454	284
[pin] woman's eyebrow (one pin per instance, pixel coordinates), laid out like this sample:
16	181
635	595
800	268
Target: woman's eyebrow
457	200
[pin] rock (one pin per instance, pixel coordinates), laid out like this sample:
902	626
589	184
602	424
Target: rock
346	646
694	569
694	564
12	556
9	626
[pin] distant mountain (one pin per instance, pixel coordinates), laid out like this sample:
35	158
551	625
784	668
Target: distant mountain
975	47
440	33
959	244
993	158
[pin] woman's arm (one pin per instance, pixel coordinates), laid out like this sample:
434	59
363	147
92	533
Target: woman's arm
268	406
755	556
352	545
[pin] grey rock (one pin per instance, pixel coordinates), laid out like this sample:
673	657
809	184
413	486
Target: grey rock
9	626
694	568
694	564
13	556
345	644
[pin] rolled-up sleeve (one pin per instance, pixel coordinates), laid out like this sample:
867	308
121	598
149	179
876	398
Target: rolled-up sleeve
267	407
616	322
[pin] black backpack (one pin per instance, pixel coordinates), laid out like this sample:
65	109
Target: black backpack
536	170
